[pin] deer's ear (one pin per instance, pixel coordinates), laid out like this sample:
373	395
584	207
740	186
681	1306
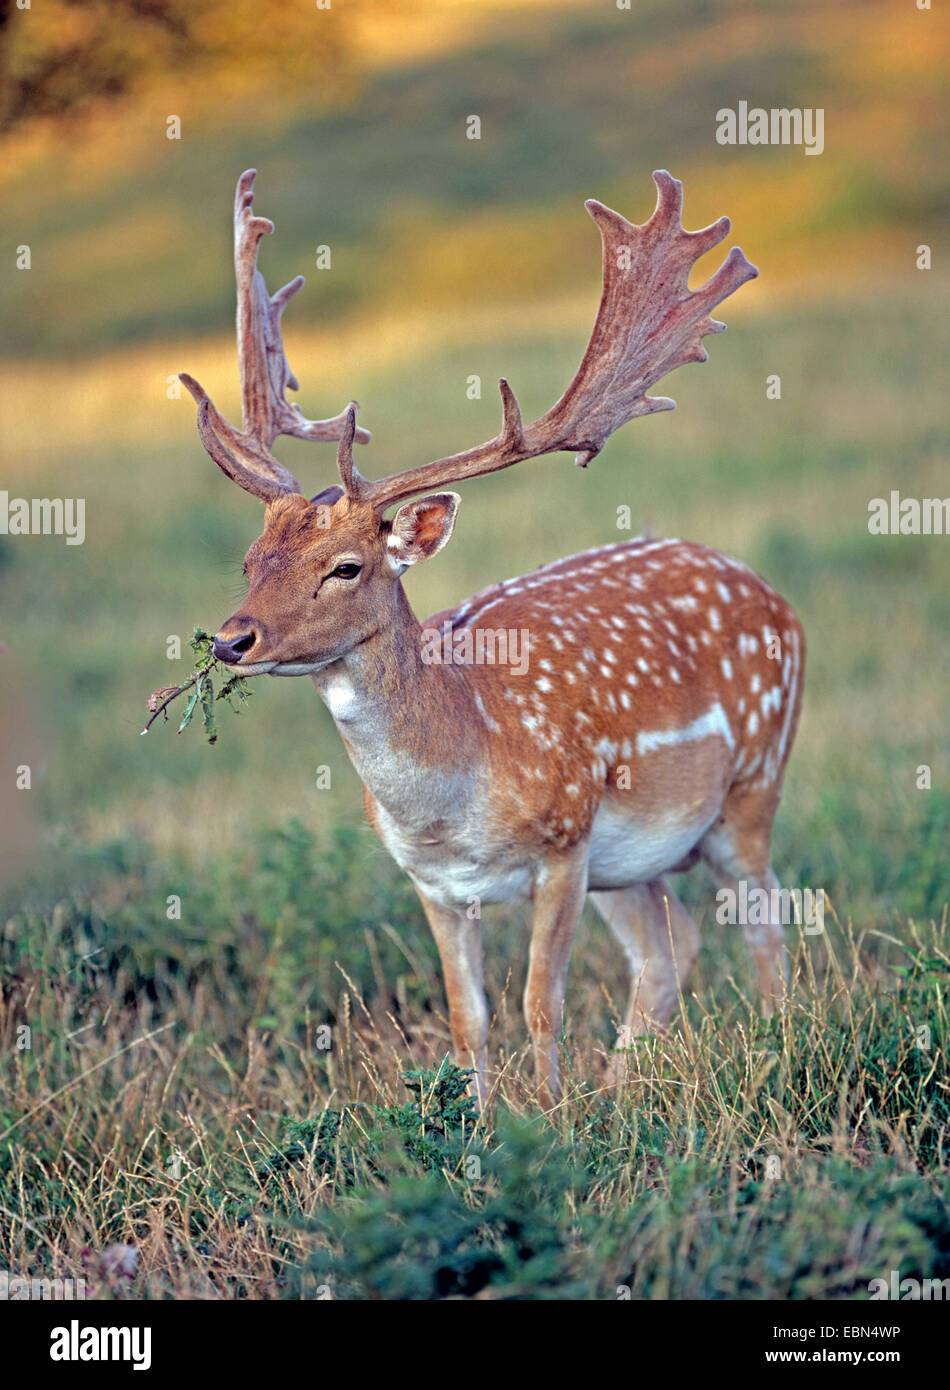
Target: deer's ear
420	529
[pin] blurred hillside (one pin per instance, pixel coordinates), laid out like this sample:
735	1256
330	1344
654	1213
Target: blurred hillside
356	119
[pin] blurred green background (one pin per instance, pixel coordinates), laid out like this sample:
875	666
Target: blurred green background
453	257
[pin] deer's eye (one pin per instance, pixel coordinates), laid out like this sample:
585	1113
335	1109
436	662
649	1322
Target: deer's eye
348	570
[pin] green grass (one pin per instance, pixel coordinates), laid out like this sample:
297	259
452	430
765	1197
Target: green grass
225	1092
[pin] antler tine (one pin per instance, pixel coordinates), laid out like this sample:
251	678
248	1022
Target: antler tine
648	323
255	463
267	489
353	483
264	370
507	446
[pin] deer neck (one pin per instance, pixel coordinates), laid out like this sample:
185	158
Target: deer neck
409	726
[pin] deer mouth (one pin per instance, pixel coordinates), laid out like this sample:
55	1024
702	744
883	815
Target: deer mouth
299	668
248	668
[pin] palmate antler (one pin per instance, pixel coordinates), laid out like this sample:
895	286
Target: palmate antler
649	322
244	455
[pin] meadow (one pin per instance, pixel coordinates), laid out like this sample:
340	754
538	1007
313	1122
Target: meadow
255	1093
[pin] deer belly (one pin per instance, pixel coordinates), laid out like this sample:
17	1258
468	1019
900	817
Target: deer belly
627	848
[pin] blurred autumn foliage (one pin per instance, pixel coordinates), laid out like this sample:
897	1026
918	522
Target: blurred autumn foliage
358	118
85	50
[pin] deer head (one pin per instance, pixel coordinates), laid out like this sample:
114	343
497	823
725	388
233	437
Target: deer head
324	578
324	575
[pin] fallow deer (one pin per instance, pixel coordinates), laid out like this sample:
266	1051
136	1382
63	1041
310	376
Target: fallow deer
654	723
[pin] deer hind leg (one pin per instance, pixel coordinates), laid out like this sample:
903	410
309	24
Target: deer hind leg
737	847
459	939
661	943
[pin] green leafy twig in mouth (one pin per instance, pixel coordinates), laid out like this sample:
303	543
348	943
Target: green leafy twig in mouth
201	685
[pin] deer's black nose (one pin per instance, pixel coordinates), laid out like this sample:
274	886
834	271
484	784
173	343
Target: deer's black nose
230	650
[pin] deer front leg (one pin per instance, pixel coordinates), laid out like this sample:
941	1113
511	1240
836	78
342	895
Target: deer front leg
560	886
459	939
